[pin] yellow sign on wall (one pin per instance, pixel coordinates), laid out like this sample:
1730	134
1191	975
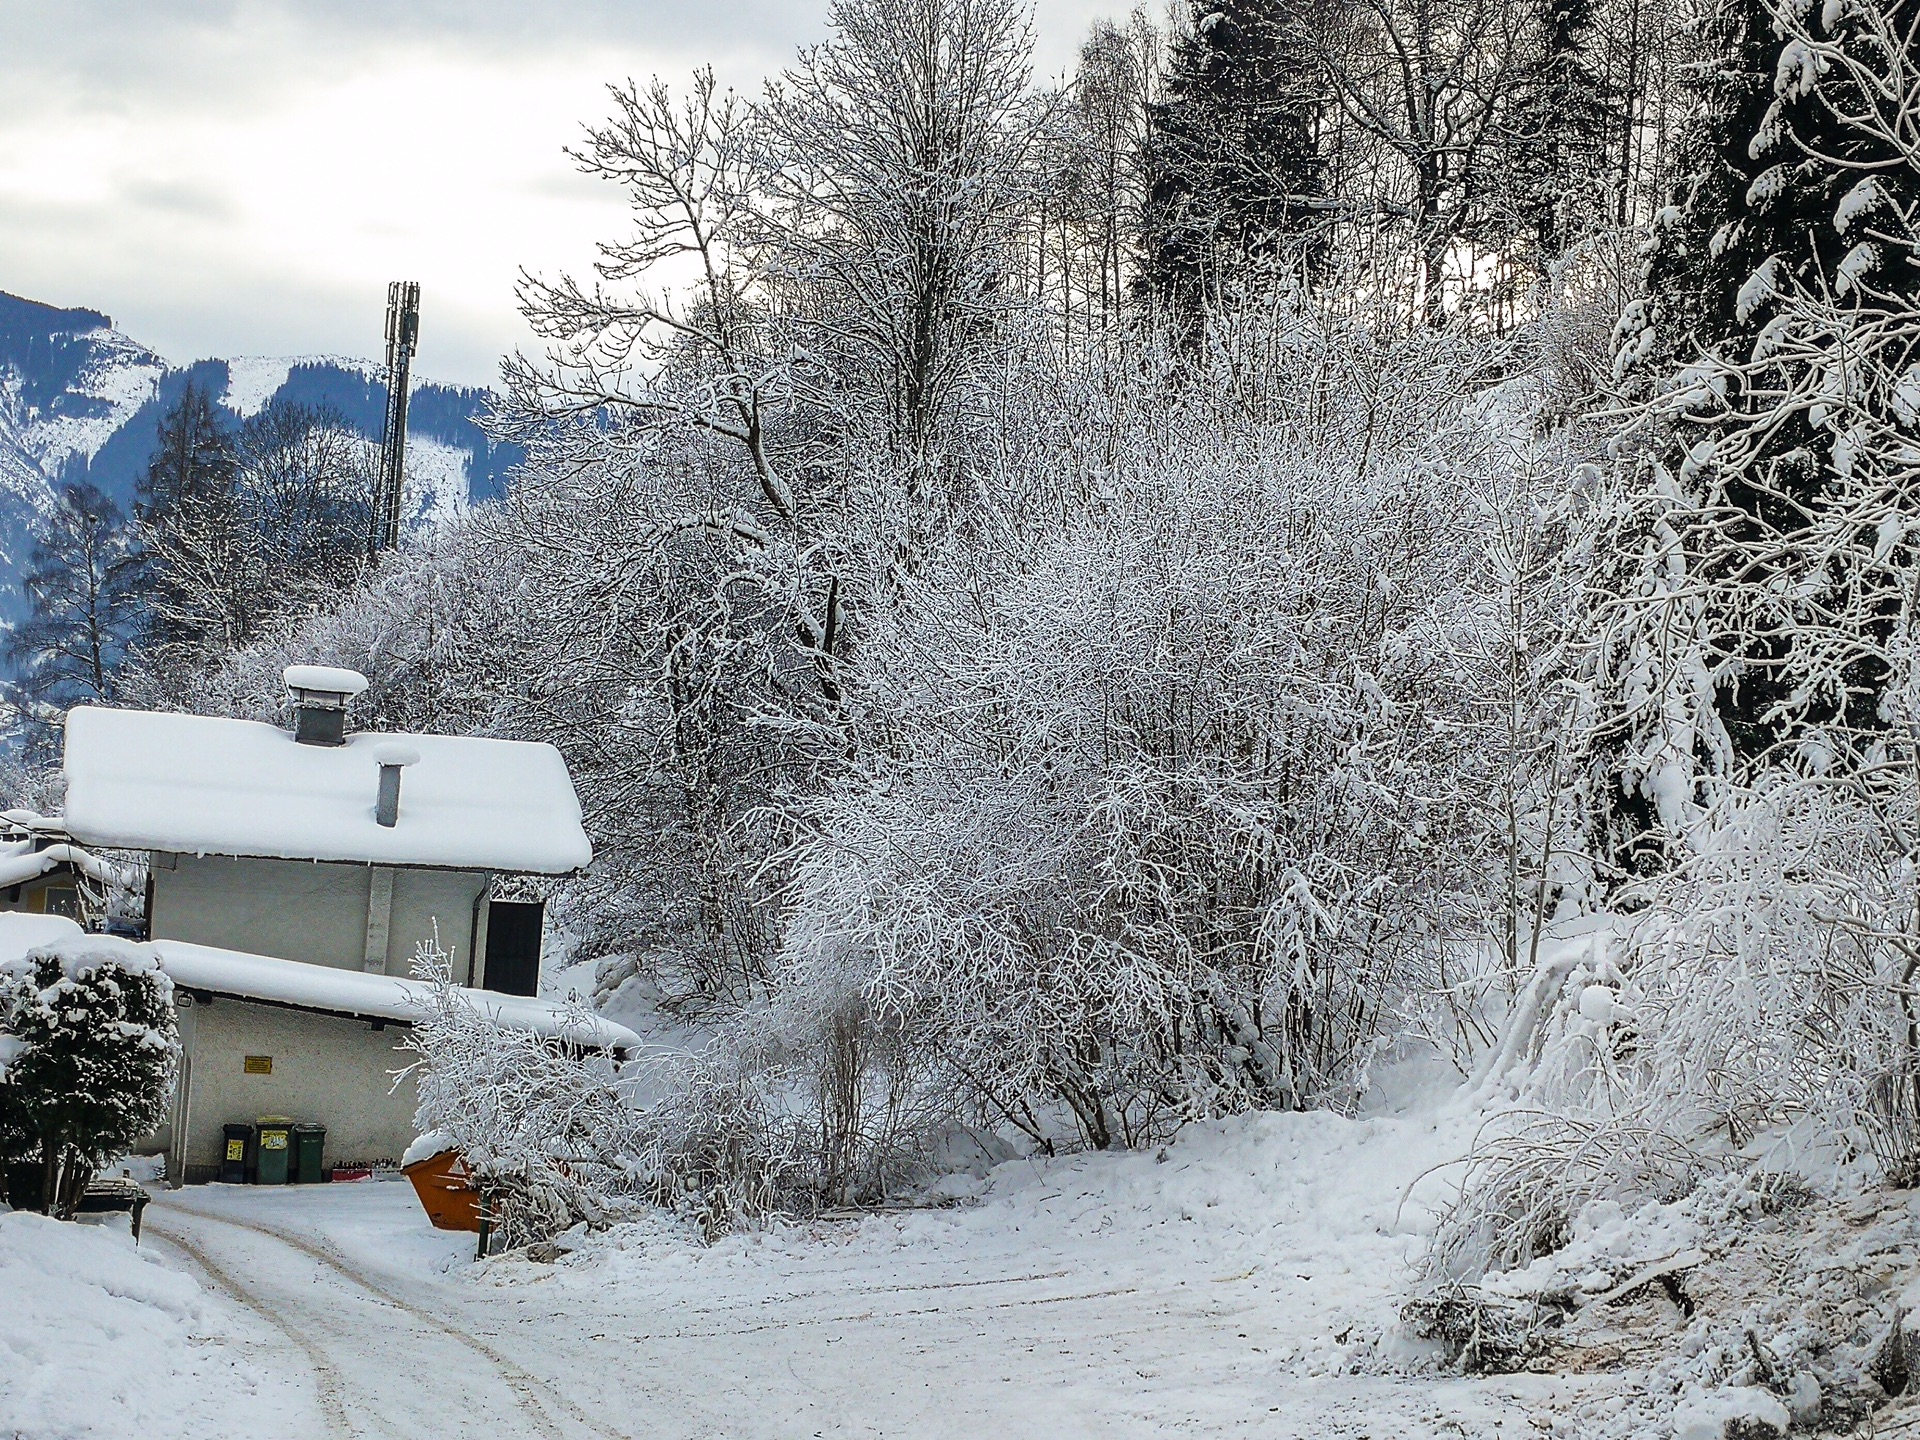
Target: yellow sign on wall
259	1065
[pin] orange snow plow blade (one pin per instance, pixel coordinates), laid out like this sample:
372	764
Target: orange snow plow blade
446	1193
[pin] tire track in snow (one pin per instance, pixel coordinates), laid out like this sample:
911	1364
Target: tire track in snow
328	1381
795	1322
539	1401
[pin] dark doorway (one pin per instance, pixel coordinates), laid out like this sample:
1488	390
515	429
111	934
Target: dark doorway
513	946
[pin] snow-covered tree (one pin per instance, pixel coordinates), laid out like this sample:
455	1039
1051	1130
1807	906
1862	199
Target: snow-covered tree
1429	85
1755	677
182	495
88	1049
71	649
1235	175
1089	214
238	530
1764	528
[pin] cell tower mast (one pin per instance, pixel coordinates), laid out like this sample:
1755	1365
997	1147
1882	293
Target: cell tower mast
403	335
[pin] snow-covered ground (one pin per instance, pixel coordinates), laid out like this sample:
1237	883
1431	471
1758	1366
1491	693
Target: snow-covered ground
1234	1284
98	1338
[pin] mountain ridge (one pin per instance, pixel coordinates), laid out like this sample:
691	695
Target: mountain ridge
82	400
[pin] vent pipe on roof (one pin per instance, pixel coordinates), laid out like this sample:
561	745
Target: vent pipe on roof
321	695
392	759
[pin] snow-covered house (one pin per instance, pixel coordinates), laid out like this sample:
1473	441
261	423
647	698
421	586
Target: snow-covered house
293	873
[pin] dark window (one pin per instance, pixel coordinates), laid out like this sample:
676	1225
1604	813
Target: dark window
513	946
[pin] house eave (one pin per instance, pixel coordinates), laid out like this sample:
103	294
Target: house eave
365	864
206	995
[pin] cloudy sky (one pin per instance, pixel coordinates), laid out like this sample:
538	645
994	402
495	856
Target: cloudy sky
243	177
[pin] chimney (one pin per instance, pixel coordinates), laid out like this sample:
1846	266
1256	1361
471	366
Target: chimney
392	757
321	695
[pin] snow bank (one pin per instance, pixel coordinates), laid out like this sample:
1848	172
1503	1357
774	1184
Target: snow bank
1716	1414
142	780
98	1338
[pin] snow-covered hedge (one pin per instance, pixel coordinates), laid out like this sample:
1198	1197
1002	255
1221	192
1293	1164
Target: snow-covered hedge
88	1050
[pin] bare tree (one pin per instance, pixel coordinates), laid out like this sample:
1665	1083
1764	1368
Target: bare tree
1427	81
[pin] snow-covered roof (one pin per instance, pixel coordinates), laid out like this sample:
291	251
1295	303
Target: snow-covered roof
380	997
145	780
317	987
31	822
20	862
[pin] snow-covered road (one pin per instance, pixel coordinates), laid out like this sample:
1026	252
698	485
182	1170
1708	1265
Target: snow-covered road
380	1361
1224	1290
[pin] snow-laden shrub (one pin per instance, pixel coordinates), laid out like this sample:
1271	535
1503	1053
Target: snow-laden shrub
556	1135
720	1150
542	1126
88	1051
1759	1010
1166	812
1530	1175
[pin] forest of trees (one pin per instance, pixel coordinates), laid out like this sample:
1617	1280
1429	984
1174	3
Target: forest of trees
1077	607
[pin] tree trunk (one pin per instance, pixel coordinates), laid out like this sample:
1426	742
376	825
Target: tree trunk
49	1174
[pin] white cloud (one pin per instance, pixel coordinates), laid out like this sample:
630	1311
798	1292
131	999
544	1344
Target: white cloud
245	176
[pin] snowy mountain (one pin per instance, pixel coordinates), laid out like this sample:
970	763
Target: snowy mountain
80	400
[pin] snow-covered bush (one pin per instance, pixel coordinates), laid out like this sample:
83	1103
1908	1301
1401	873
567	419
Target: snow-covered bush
556	1135
721	1150
1167	809
88	1049
541	1125
1759	1010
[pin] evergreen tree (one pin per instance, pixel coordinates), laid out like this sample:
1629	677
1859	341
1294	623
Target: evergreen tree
184	509
18	1144
1553	182
193	458
90	1046
1773	348
1714	233
1233	164
70	650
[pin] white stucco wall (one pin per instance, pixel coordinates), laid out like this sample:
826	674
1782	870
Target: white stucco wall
325	1068
312	911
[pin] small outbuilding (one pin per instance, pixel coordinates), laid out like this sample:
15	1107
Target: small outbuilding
292	875
42	872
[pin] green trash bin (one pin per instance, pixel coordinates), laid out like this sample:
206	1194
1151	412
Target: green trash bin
273	1147
309	1141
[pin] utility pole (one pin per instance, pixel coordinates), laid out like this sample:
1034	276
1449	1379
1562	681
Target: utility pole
403	335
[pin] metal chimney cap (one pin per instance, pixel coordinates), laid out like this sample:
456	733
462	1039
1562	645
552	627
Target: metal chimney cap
324	680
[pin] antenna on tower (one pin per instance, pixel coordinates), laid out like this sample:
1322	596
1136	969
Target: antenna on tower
403	335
